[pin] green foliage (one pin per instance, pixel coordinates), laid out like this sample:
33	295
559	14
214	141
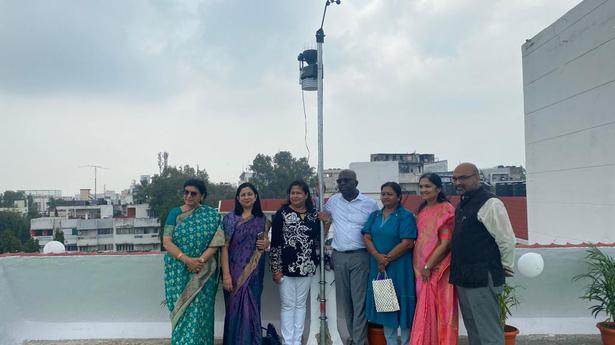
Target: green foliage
9	243
59	236
15	223
601	286
507	299
32	208
8	198
165	190
14	231
31	246
272	175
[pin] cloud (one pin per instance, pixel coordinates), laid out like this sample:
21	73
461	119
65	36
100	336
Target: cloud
216	82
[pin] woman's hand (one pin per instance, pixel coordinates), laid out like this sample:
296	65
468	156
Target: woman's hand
382	260
227	282
262	244
194	264
277	277
425	274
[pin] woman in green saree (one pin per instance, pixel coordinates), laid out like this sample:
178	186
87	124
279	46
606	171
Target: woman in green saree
192	239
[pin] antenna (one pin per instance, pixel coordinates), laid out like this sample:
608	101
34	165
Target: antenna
96	167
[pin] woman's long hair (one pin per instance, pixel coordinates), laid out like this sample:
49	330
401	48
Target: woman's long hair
437	181
257	210
309	204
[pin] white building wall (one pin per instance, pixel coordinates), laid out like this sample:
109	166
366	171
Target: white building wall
569	91
371	175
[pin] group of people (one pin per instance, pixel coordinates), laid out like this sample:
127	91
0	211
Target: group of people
437	257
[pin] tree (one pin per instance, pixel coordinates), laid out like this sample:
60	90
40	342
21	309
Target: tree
272	175
9	242
31	246
9	197
32	208
14	232
15	223
59	236
164	192
139	194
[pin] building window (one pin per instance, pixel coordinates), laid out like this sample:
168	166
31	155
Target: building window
105	231
126	247
103	247
125	231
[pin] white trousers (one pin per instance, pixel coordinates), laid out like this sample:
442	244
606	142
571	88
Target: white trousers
293	296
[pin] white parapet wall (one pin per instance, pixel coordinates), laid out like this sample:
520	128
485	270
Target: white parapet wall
119	296
569	93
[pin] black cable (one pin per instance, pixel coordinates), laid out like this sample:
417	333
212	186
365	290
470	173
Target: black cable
305	129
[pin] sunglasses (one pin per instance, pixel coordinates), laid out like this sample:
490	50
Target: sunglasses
191	193
344	180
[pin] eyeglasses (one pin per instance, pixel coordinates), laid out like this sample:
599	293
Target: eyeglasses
191	193
462	177
344	179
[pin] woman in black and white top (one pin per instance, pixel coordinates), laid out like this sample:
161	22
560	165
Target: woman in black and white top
294	234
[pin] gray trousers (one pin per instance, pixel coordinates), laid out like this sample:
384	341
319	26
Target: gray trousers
481	314
351	276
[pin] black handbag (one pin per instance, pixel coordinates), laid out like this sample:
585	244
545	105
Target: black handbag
271	336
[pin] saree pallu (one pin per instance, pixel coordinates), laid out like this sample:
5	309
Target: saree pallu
242	322
436	319
190	297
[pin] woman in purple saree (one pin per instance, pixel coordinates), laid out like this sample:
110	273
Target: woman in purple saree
243	267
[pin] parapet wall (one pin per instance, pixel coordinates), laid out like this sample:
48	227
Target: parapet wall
119	296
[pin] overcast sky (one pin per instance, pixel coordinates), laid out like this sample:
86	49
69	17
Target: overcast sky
216	82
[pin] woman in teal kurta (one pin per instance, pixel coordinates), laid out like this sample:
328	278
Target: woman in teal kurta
192	239
389	236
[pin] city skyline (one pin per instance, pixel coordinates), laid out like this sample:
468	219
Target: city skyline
215	83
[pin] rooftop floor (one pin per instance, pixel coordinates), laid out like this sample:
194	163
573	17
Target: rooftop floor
521	340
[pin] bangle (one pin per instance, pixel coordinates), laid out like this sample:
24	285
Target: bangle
180	256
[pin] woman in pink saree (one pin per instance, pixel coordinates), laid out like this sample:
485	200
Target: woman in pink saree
436	316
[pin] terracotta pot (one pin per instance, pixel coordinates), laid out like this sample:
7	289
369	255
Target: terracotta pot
375	334
510	333
607	331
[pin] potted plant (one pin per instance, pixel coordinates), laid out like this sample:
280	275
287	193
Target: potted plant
508	299
601	290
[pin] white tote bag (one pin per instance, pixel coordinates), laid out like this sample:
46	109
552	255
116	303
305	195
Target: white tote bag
385	296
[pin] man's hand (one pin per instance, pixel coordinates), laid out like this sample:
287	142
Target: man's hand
325	217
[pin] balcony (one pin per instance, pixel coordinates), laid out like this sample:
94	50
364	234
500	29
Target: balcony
89	296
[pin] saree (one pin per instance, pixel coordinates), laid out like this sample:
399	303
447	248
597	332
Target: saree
242	322
190	296
436	316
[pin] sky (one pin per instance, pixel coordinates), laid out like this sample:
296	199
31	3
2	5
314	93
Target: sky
214	83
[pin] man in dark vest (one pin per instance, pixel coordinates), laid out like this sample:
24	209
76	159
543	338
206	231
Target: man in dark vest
482	255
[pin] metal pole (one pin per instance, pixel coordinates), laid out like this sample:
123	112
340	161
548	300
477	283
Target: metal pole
95	173
320	38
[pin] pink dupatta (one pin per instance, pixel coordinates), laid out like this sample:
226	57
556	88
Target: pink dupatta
436	319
